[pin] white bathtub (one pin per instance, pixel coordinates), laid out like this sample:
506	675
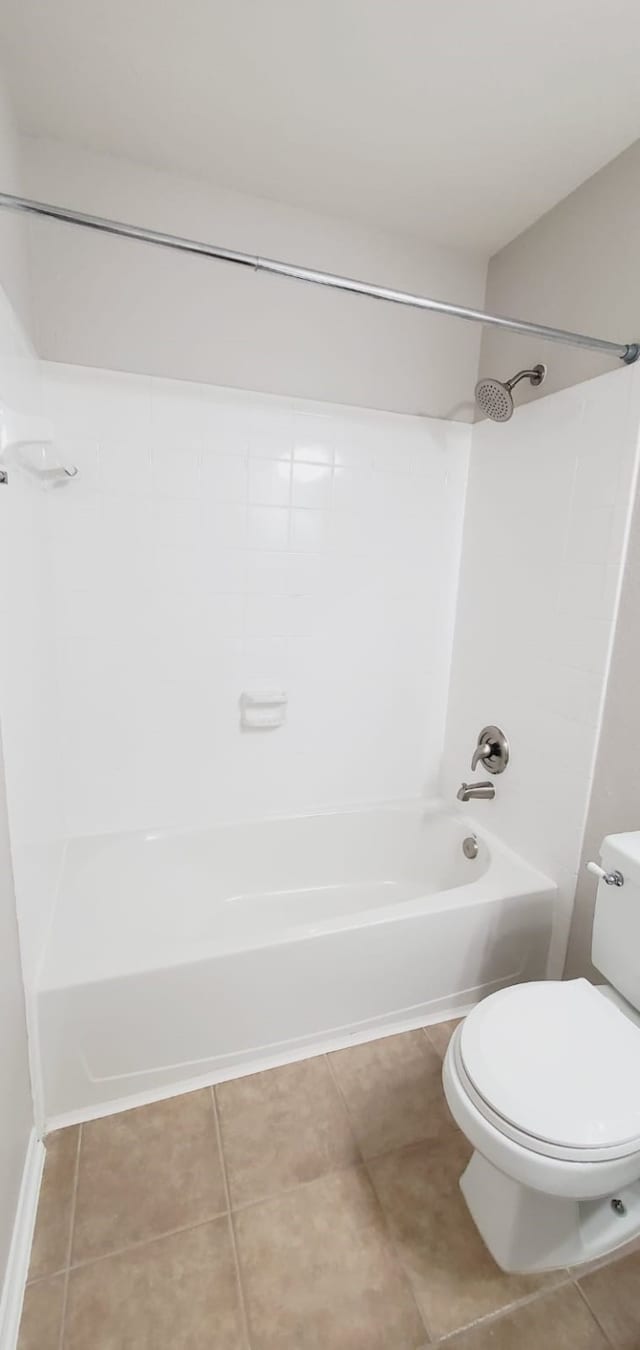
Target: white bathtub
183	958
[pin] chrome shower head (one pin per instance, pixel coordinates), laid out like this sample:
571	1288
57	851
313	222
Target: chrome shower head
494	397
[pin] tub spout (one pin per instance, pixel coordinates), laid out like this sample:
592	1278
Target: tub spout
471	791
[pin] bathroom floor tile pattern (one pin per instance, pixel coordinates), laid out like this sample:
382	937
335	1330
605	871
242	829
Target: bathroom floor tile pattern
311	1207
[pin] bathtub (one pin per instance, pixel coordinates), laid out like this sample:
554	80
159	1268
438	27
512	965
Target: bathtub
177	959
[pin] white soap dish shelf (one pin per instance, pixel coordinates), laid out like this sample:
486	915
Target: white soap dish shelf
28	443
263	709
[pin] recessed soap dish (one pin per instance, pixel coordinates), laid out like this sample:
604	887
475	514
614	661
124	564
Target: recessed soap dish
262	709
28	443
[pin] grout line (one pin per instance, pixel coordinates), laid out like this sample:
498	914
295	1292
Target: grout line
393	1148
146	1241
363	1163
297	1186
232	1232
396	1251
290	507
433	1140
563	1278
201	1223
427	1030
74	1197
345	1106
388	1230
244	594
487	1319
583	1296
50	1275
72	1223
432	1043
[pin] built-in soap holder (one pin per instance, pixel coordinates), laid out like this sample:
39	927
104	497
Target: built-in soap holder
262	709
27	443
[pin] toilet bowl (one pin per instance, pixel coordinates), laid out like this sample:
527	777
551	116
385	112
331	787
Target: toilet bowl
544	1080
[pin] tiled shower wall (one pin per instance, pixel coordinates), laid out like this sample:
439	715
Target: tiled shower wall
215	543
548	509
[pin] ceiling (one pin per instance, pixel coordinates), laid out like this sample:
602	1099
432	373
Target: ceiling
461	121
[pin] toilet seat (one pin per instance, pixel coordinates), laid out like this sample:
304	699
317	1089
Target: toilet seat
554	1066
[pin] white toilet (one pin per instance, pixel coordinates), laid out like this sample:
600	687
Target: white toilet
544	1080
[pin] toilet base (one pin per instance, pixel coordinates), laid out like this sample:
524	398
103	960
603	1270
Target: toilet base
527	1231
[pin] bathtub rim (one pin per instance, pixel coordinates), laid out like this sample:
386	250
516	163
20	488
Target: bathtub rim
507	875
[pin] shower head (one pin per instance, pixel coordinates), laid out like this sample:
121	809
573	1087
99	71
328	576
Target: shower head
494	397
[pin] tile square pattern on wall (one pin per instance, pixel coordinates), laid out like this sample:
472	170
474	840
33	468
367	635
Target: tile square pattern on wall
269	1214
215	541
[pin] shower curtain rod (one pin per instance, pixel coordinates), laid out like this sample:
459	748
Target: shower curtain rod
625	351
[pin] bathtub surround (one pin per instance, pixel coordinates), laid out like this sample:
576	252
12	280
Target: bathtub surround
28	682
545	543
30	697
215	543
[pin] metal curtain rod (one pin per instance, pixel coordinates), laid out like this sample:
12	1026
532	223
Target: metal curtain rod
625	351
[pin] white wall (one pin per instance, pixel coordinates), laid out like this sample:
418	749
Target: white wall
16	1120
546	520
214	543
575	267
110	303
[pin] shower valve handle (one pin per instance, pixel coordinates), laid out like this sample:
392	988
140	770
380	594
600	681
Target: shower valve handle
481	752
492	750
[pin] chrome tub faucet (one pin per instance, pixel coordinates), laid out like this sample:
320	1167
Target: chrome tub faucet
471	791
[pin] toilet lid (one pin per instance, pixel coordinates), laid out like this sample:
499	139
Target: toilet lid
559	1061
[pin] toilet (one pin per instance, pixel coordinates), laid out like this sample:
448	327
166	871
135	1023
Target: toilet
544	1081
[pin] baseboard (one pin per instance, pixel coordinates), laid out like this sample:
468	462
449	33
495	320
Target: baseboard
20	1249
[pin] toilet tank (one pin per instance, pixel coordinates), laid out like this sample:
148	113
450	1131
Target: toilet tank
615	946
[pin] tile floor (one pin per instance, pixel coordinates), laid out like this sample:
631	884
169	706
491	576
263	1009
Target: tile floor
312	1207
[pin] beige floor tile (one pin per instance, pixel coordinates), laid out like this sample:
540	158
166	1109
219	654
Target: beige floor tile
559	1321
146	1172
454	1278
282	1127
42	1315
319	1272
441	1032
53	1225
393	1091
178	1293
614	1294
